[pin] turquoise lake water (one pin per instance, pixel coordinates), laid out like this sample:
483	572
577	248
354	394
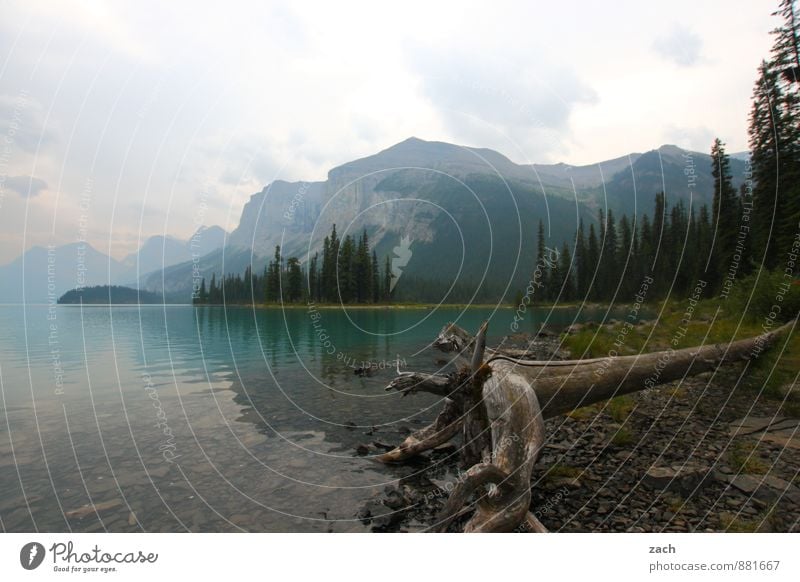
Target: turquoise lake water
209	419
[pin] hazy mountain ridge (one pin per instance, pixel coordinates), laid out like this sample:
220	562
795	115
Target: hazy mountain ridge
43	274
446	198
440	194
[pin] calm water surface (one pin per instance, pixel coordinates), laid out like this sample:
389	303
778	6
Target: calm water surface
175	418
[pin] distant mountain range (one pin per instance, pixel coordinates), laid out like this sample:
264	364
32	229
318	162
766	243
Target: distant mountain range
44	274
471	214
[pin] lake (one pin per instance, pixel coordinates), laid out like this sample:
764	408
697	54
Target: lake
175	418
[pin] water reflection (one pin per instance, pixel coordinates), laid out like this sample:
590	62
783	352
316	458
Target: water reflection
260	415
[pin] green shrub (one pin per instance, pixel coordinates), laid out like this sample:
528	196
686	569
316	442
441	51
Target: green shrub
756	295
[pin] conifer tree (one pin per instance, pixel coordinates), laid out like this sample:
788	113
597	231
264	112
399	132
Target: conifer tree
376	279
724	208
581	263
593	258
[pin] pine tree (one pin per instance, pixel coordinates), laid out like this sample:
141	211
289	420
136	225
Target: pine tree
646	246
724	208
363	268
294	280
659	246
541	266
313	278
566	271
785	63
581	263
346	275
626	259
773	146
387	279
786	48
213	296
609	265
376	279
593	258
554	280
274	277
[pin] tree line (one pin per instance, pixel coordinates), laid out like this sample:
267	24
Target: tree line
745	230
611	261
754	228
347	271
775	145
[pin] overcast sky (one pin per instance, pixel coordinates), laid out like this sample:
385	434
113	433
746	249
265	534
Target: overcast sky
122	120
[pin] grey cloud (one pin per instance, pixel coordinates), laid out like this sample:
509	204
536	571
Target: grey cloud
692	138
25	186
21	123
528	99
681	46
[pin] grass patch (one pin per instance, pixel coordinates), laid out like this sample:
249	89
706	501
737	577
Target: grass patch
559	471
734	523
620	408
582	413
743	458
675	504
623	437
710	321
679	393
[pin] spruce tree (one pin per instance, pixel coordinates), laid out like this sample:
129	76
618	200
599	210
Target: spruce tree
376	279
541	266
566	269
724	209
294	280
387	279
593	258
626	259
581	263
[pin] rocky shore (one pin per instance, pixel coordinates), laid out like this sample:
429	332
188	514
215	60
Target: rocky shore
704	454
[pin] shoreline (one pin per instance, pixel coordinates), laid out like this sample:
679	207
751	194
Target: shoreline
399	306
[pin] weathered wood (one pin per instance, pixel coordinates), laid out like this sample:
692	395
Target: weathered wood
445	427
502	402
573	384
517	434
477	440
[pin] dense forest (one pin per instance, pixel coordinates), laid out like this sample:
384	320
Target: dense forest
669	254
675	251
755	231
348	272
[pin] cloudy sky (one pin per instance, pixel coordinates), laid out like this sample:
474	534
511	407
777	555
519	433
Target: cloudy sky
122	120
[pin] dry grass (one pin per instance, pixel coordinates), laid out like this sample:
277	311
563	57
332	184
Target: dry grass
743	458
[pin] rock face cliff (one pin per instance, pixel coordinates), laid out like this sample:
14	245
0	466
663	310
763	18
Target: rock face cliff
470	214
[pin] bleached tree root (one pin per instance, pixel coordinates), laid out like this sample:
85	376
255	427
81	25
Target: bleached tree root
447	425
502	401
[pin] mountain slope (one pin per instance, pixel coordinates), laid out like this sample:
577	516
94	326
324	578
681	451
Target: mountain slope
159	252
450	201
43	274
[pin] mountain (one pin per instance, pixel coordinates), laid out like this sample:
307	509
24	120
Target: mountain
470	213
159	252
42	275
628	185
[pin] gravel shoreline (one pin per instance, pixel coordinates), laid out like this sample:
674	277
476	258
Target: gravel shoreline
701	455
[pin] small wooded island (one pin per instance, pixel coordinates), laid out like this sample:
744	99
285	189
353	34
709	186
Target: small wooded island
111	295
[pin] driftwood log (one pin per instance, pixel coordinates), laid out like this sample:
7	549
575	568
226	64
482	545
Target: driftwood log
498	401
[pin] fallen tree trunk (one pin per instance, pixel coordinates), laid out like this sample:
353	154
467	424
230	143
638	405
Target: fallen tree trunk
499	402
